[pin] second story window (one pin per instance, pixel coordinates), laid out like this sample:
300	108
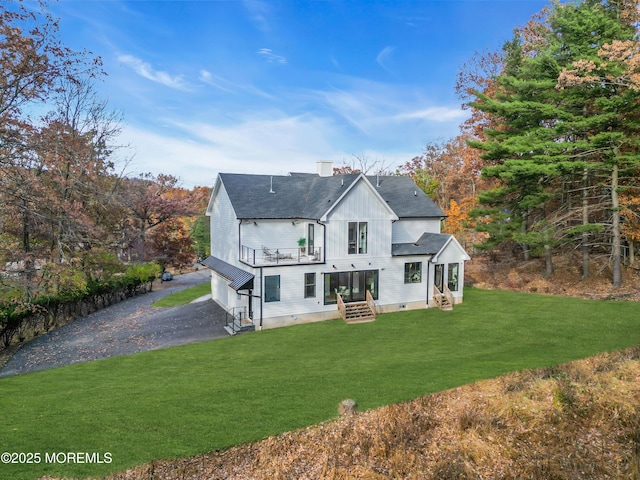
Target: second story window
357	237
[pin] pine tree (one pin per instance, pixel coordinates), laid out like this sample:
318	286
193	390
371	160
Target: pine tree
550	133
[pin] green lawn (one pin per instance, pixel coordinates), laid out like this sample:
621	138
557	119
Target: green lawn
187	400
184	296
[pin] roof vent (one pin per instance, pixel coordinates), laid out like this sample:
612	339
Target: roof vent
271	187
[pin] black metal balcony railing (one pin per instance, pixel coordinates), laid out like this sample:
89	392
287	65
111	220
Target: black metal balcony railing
280	256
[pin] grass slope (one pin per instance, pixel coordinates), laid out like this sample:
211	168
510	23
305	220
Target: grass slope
184	296
187	400
578	420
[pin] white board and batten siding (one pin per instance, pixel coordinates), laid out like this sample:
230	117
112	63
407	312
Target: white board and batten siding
360	205
408	230
224	245
397	295
293	307
224	228
394	294
278	234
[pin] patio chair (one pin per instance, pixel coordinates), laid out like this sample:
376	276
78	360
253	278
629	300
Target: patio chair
268	255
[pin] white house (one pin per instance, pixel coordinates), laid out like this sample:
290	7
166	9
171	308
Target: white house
304	247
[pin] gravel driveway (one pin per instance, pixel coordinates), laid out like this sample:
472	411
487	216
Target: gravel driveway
124	328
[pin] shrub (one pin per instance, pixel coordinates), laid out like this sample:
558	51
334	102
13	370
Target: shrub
67	300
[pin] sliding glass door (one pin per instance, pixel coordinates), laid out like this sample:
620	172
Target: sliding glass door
352	286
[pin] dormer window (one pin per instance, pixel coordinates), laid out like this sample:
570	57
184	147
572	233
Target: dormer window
357	238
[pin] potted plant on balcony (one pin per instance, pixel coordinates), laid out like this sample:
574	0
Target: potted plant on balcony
301	243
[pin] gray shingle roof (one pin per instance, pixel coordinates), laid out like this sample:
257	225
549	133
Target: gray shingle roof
404	197
304	195
240	279
427	244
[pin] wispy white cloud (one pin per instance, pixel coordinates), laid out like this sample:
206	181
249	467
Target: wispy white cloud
228	86
195	151
216	81
435	114
271	57
365	117
335	62
384	58
264	147
258	13
145	70
385	113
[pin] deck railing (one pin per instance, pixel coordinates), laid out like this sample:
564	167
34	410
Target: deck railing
371	302
438	295
341	306
236	318
448	294
276	256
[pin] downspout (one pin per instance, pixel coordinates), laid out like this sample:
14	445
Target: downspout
324	241
428	281
239	239
261	295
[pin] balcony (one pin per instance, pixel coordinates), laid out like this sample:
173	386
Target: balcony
267	256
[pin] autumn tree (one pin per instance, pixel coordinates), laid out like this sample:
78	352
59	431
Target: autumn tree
33	62
75	147
445	171
630	212
361	163
153	200
478	75
68	219
170	243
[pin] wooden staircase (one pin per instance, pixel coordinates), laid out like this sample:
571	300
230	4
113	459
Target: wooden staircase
444	300
358	312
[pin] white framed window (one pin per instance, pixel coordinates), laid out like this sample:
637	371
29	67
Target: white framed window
413	272
309	285
438	276
357	238
272	288
452	277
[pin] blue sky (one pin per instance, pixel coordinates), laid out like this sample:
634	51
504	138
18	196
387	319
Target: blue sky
273	86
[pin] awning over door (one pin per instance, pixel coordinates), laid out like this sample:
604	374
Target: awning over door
430	244
240	279
427	244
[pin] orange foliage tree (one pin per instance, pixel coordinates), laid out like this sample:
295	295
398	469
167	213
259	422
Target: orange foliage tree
446	171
